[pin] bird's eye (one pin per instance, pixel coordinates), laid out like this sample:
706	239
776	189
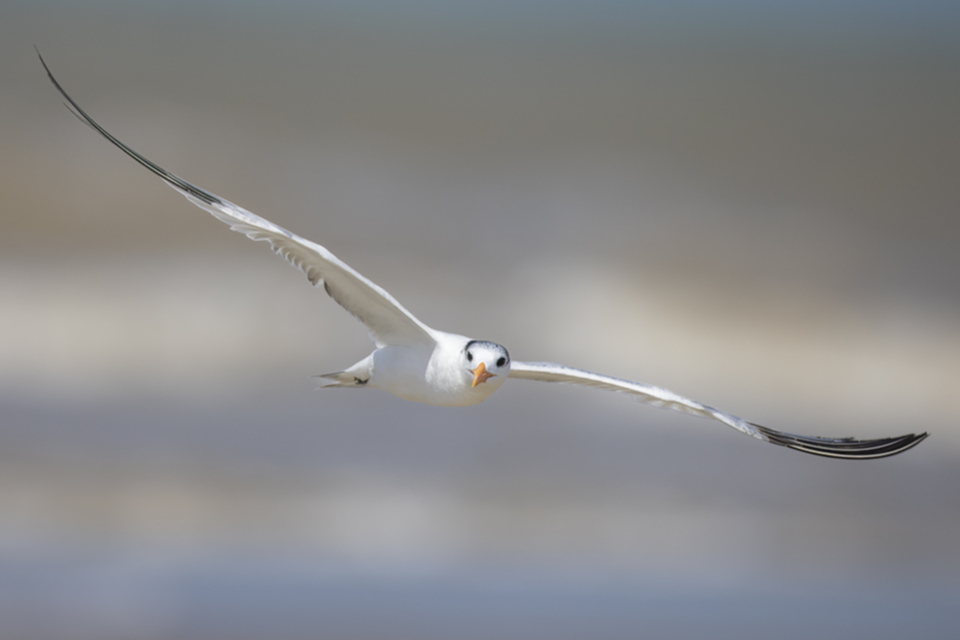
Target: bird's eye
502	361
469	357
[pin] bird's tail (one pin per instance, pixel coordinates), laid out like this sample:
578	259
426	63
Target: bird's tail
356	376
340	379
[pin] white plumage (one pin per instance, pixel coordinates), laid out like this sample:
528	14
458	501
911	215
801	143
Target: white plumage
419	363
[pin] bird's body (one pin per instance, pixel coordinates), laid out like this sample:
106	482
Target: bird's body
416	362
434	375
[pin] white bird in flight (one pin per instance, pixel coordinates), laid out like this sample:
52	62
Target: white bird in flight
416	362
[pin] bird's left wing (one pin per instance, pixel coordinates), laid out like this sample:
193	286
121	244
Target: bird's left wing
385	318
830	447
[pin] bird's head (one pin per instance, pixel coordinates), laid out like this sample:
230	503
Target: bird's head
485	361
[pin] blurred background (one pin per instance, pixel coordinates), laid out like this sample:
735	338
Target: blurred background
754	204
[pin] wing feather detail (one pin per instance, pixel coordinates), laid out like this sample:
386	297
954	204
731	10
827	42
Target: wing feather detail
387	320
849	448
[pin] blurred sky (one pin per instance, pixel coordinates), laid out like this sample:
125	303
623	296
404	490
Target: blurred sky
754	204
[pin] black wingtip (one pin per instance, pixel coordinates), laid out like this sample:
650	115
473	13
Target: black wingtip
847	448
172	179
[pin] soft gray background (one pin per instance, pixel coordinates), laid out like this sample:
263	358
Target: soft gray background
751	203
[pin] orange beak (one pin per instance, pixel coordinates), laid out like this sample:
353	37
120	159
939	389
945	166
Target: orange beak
480	374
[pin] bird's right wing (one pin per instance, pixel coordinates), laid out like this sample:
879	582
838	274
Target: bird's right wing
829	447
386	319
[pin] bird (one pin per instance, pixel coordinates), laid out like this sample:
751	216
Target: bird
416	362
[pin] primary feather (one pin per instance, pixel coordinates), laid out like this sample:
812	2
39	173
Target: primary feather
388	321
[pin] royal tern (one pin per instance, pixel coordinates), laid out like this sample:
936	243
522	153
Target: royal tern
416	362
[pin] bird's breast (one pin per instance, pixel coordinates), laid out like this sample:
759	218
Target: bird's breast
421	375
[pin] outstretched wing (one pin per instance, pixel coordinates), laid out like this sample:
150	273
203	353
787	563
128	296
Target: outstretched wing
830	447
389	323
